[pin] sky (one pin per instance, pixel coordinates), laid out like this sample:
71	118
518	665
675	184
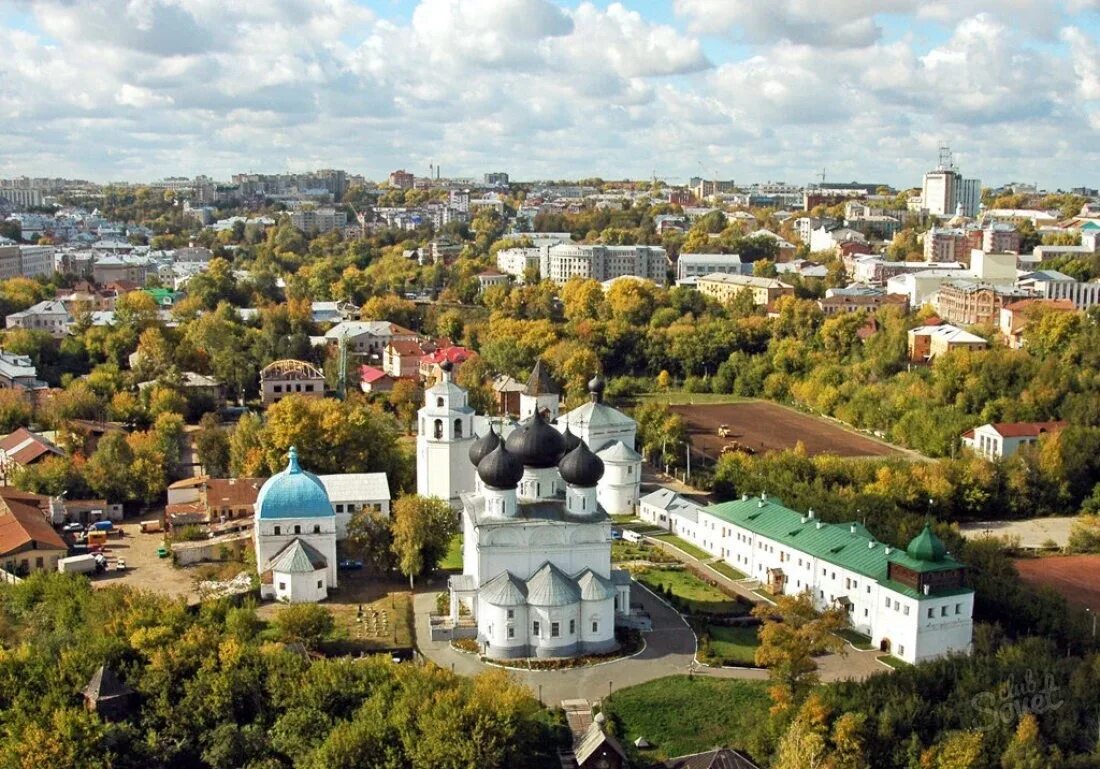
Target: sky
750	90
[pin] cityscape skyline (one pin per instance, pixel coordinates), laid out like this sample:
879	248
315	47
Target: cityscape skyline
551	90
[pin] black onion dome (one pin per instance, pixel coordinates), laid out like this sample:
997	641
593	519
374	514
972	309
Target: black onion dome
571	439
500	468
446	365
536	443
580	467
483	445
596	385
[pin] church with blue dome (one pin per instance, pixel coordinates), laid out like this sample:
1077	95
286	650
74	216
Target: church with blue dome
295	536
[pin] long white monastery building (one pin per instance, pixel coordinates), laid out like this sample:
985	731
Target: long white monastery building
913	603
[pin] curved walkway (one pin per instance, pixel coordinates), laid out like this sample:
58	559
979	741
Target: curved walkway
670	650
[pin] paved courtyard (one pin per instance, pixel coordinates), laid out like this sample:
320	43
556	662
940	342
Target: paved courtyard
1033	533
670	650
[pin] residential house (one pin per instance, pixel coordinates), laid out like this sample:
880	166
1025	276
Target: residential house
290	377
50	315
401	359
23	448
489	278
429	363
17	372
999	440
724	287
823	239
926	343
374	380
803	268
28	542
333	312
1016	316
211	502
368	338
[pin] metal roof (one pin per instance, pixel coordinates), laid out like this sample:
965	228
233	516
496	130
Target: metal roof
618	452
298	558
505	589
848	545
356	486
550	586
594	587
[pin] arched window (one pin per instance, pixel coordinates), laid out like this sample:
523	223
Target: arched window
458	428
297	529
439	402
438	429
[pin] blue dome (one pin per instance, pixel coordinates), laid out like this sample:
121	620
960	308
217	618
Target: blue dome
293	493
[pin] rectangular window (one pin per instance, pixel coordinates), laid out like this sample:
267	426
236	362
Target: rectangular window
943	611
316	528
555	629
277	530
297	529
277	388
932	613
320	584
511	632
511	614
905	610
901	650
572	627
282	586
595	626
887	602
339	508
535	628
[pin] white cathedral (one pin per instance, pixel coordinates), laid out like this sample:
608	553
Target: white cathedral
448	428
535	499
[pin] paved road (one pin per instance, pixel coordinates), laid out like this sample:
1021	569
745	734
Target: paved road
670	650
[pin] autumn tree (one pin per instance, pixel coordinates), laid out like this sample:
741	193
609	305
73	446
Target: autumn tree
370	538
792	634
405	398
422	532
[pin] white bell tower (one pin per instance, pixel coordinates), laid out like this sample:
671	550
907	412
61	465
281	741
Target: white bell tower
445	432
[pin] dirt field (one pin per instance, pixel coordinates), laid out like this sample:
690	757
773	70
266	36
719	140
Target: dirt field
1075	577
144	569
766	426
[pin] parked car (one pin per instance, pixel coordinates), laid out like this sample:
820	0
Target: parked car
70	528
120	565
350	565
616	533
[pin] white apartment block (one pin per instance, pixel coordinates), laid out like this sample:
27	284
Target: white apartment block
912	602
698	265
516	261
21	197
601	263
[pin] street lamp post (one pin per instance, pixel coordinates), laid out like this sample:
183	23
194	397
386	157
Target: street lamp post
1090	611
609	689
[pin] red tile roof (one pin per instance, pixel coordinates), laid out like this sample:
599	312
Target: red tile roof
371	374
1027	429
402	347
453	354
22	522
24	447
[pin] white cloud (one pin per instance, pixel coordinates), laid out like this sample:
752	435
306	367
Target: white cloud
147	88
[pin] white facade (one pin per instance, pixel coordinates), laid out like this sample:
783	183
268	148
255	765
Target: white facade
351	492
444	435
1083	295
698	265
599	262
838	565
621	486
997	441
51	316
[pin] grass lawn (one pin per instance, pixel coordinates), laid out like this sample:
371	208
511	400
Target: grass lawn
624	518
858	640
724	568
682	398
680	715
733	645
453	559
622	550
641	527
891	661
684	545
697	595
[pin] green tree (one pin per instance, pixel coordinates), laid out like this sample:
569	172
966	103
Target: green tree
422	531
370	538
305	623
212	446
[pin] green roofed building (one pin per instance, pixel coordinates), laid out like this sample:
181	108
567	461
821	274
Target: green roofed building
913	602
